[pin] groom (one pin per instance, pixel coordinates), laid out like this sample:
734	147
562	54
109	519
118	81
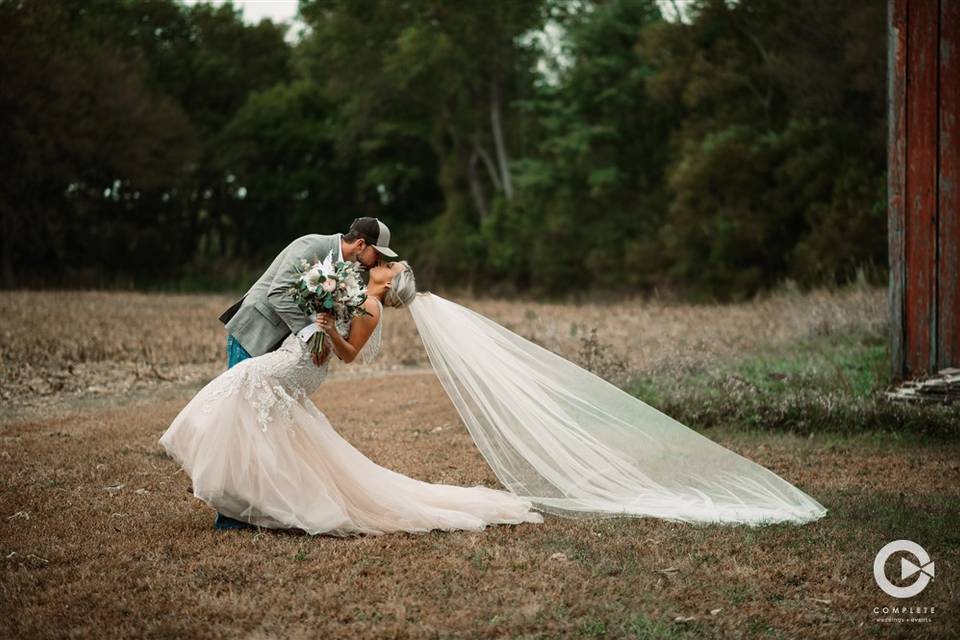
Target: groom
266	314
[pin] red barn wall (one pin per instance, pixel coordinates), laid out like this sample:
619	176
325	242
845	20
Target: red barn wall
924	151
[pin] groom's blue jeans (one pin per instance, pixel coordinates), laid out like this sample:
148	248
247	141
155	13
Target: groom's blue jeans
235	353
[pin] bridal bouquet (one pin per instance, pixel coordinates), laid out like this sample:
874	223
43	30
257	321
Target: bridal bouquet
329	287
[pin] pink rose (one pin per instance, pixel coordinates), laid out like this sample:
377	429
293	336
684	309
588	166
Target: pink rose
329	285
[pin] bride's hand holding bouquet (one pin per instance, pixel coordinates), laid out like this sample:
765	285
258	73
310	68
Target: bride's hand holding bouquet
326	322
328	291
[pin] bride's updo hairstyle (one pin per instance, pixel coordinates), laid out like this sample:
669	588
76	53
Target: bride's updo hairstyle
403	287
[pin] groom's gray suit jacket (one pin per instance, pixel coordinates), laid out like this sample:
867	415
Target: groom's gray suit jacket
266	314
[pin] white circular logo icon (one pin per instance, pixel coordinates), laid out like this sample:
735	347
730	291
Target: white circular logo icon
923	567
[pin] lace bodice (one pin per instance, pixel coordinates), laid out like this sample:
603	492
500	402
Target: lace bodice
370	350
279	378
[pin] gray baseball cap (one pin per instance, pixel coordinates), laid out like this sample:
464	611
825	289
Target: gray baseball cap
375	233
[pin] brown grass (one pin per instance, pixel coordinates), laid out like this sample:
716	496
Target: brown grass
61	346
100	537
80	558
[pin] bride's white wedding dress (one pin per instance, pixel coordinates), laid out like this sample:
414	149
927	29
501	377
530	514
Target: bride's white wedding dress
259	450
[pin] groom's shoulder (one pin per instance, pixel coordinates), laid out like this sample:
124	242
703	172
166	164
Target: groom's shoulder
313	246
312	240
317	237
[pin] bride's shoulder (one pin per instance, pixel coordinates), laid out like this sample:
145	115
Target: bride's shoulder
372	306
372	316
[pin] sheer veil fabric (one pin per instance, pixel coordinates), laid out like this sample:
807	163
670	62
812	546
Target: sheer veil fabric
577	446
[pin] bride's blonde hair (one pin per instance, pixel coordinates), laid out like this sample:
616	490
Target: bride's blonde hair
403	288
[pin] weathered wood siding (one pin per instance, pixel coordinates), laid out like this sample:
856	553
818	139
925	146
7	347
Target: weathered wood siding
948	338
923	214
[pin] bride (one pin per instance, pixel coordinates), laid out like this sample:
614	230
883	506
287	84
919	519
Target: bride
259	451
560	439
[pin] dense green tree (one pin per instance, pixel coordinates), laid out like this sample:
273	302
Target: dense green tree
285	177
592	186
115	108
428	75
152	141
780	152
85	142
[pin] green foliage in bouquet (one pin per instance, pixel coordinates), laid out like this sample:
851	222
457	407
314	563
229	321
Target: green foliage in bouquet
328	287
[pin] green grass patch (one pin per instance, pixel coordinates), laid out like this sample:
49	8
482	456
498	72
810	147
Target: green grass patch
891	516
832	383
641	627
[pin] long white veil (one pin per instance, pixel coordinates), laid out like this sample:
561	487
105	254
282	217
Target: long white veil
577	446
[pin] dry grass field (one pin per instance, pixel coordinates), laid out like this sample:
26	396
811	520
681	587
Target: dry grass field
61	346
101	537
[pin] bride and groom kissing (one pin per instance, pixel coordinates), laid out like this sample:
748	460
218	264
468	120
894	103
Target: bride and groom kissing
259	451
560	439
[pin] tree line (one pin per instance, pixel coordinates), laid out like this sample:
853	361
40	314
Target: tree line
543	146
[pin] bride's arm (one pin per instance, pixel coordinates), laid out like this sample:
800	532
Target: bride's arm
360	329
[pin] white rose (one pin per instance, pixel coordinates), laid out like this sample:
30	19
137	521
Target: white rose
312	279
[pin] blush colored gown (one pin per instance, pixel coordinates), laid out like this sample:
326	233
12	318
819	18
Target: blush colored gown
259	450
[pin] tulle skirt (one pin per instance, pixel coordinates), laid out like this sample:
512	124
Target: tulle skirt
289	469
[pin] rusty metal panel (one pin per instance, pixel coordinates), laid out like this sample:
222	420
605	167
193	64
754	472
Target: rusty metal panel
896	184
948	264
920	294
